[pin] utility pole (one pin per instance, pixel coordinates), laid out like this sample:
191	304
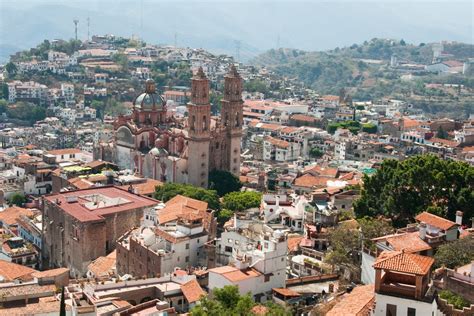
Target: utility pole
76	21
88	28
237	50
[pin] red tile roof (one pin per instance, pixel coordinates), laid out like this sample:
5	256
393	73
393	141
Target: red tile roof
192	291
435	221
409	242
404	262
309	181
66	151
286	292
79	211
294	243
11	271
360	300
11	215
180	205
235	275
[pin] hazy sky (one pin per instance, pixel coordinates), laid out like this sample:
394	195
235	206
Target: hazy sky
217	25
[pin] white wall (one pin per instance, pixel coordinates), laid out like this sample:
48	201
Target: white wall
368	272
422	308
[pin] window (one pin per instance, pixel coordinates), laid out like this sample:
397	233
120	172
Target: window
411	311
228	249
198	240
391	310
187	246
186	259
266	277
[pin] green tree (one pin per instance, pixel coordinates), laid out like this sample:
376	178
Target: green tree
18	199
99	106
228	301
170	190
315	152
441	133
11	69
403	43
456	253
373	228
224	215
26	111
344	243
241	201
228	296
223	182
400	190
369	128
3	106
455	299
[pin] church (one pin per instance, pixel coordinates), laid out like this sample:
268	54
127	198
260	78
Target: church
157	145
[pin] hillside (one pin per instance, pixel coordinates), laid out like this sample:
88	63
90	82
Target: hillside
361	66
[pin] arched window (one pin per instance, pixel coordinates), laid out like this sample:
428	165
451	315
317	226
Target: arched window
237	121
204	123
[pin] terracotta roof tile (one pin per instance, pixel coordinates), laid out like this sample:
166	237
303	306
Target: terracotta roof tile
192	291
310	181
11	271
410	242
235	275
103	266
404	262
66	151
286	292
11	215
178	206
435	221
360	300
294	243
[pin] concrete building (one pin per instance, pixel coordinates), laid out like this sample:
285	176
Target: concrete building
171	236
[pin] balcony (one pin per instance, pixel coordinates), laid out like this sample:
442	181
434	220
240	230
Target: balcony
405	290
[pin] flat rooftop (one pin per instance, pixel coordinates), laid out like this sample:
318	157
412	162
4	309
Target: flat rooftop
93	204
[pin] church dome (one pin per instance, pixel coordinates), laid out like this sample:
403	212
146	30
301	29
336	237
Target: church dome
149	99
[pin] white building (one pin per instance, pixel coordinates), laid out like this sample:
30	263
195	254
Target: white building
258	260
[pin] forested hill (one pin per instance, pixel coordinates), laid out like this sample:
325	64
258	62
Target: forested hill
361	67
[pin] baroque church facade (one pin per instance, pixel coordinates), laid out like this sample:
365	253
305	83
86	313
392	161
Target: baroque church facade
160	146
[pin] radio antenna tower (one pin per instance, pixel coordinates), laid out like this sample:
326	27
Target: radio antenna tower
76	21
88	28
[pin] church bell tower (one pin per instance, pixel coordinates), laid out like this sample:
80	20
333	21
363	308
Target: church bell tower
199	119
232	118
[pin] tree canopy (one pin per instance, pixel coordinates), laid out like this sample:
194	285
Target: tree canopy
241	201
401	189
170	190
228	301
315	152
26	111
456	253
223	182
18	199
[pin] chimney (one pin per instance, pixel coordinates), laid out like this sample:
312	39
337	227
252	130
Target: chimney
459	215
422	230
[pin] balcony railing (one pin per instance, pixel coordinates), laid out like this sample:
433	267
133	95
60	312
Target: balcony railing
401	289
